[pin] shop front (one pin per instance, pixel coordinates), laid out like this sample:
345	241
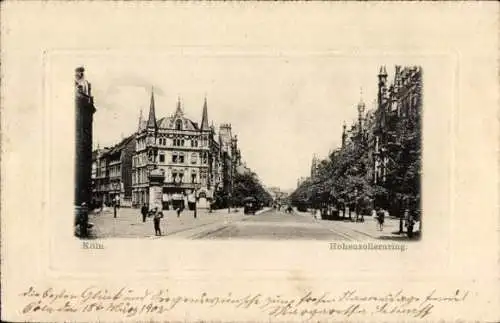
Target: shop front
173	198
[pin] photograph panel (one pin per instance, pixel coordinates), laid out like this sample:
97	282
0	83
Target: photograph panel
175	174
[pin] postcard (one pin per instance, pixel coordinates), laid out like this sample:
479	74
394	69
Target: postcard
249	162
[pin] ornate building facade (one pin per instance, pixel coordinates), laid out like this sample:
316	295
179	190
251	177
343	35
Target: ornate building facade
195	161
113	173
398	113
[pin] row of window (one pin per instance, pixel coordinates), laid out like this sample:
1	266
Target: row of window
115	171
140	160
175	176
177	142
180	158
177	158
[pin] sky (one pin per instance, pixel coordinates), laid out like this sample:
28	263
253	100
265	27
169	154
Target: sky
283	108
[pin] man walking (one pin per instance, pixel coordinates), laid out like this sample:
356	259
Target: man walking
156	220
114	207
380	218
144	212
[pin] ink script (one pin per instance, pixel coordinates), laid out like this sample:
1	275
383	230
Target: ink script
130	303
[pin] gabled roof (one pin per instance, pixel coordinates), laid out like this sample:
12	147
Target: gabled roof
169	123
118	147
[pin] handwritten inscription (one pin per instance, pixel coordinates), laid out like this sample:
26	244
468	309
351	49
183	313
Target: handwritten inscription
131	303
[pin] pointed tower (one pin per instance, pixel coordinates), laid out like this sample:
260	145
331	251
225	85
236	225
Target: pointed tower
152	115
178	110
151	132
314	166
204	118
382	84
344	134
361	111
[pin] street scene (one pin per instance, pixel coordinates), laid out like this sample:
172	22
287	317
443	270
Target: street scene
269	224
171	175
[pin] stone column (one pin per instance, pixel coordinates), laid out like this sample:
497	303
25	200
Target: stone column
84	111
156	179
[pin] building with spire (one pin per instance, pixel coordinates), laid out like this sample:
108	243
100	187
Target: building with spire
398	113
361	113
314	166
188	153
344	135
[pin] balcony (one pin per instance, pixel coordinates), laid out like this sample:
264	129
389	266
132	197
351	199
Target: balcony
181	185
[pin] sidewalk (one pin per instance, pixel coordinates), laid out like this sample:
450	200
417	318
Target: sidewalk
365	230
369	229
128	223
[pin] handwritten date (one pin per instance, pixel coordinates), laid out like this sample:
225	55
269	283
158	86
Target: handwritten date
130	302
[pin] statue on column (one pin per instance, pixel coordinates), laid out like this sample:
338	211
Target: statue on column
81	84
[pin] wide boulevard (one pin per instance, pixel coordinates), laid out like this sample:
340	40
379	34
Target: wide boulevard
268	224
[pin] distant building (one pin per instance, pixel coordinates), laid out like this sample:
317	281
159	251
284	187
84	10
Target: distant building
314	166
113	173
301	180
100	177
277	194
119	165
230	157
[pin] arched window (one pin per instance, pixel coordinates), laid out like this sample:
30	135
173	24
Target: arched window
178	125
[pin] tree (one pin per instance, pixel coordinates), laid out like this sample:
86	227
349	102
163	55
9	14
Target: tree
247	184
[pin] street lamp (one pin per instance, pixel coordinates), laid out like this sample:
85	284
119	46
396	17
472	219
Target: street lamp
116	187
197	188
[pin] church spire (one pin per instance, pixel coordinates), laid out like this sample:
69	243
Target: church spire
152	115
204	118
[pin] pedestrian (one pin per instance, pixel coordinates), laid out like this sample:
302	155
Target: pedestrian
156	220
380	218
83	220
179	210
410	222
144	212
